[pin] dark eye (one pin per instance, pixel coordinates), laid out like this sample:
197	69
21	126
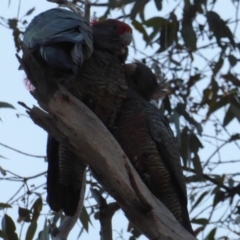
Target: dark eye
135	80
115	27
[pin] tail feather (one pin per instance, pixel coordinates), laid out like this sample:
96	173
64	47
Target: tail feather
54	190
71	176
70	201
186	221
59	55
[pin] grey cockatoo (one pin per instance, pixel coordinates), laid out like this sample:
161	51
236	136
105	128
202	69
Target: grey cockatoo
92	55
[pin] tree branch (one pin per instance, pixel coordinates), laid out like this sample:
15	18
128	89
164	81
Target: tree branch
94	4
71	122
72	6
106	213
18	151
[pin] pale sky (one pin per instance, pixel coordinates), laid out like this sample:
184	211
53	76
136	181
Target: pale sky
22	134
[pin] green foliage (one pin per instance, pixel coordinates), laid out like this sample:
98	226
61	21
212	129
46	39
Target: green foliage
6	105
219	28
9	228
200	221
85	218
31	230
5	205
141	29
211	235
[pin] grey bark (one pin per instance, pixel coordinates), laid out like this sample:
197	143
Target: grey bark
106	212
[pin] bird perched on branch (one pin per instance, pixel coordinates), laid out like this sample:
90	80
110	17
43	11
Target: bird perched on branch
90	58
65	41
145	136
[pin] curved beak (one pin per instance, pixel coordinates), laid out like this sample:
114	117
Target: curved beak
127	38
129	69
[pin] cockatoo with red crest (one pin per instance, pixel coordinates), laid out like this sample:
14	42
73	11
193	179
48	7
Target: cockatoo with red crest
91	55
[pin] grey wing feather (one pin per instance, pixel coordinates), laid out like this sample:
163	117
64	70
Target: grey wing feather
64	38
55	25
163	136
63	59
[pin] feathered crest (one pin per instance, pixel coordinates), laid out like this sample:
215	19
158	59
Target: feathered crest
124	27
94	20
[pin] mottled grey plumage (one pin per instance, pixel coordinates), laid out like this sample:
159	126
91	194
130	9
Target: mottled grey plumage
100	83
147	139
63	38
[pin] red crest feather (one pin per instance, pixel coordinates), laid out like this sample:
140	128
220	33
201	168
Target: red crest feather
123	27
94	21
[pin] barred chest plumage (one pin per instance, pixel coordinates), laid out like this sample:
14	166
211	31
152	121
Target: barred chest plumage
146	137
101	85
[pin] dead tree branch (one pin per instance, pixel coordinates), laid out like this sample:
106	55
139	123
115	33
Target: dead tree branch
106	213
87	10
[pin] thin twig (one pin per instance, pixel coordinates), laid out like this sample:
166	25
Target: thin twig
87	8
26	154
95	4
18	11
